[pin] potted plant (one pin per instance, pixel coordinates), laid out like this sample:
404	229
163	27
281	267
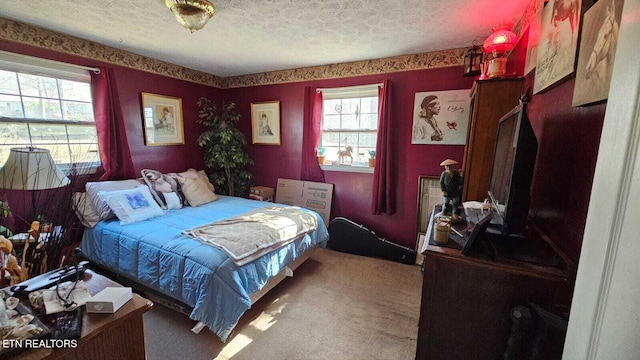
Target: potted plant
223	146
372	160
320	154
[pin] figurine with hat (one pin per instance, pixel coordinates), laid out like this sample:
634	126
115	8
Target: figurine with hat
451	185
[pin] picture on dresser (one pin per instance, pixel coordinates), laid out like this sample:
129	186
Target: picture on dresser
441	117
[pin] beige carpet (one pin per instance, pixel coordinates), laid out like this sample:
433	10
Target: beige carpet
336	306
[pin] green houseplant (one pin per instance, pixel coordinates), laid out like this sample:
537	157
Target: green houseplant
223	146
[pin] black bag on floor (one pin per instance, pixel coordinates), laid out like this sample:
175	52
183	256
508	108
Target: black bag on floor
353	238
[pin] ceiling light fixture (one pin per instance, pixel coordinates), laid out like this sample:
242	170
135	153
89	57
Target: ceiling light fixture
192	14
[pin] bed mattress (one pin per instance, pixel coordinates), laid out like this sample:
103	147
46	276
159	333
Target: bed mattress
154	253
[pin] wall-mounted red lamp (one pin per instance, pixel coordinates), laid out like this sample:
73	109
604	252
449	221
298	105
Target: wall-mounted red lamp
501	41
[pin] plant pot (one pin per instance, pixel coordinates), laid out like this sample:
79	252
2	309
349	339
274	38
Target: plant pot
321	160
372	162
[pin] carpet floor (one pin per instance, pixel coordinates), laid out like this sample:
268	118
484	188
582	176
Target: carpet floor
336	306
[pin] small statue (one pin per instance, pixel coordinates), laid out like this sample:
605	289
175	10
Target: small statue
451	185
9	262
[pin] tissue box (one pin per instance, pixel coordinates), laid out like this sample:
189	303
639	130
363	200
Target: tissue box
109	300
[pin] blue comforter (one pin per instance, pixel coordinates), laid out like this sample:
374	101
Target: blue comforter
155	254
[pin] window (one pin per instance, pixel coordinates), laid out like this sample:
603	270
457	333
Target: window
45	105
349	125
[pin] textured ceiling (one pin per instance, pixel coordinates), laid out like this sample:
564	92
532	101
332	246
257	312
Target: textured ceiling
247	36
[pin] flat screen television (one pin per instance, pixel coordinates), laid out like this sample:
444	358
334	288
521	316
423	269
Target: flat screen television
514	158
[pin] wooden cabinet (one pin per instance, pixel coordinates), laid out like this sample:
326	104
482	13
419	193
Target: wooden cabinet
465	311
490	100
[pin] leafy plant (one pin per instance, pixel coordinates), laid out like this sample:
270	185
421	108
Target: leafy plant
372	153
223	146
321	151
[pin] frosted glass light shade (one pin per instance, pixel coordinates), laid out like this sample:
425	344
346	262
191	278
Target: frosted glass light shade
31	169
192	14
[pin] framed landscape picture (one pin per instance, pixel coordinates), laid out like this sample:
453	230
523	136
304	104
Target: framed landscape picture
162	120
265	123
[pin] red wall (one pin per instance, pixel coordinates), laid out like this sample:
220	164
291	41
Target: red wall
568	143
131	83
352	191
568	139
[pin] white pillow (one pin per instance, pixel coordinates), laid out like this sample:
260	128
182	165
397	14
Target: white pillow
99	206
131	205
173	200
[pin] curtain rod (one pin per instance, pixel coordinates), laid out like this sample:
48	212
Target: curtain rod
319	90
33	58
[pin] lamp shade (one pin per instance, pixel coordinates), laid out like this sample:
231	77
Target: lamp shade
501	40
31	169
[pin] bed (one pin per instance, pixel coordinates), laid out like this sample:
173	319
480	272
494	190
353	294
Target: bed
156	254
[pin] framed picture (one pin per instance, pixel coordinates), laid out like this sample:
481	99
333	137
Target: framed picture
441	117
601	24
557	44
429	195
265	123
162	120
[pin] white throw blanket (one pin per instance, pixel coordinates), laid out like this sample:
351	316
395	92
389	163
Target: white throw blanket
250	235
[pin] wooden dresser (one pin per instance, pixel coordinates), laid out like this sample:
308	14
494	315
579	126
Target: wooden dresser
465	312
104	336
490	100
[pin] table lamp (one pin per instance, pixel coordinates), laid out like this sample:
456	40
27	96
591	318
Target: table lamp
30	168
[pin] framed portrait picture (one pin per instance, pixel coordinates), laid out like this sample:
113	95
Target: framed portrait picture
441	117
162	120
265	123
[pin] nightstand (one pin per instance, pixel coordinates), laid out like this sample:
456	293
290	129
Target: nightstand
104	336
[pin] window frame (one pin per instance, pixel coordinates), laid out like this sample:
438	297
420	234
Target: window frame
345	93
26	65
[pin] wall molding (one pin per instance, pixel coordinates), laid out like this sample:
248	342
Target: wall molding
46	39
431	60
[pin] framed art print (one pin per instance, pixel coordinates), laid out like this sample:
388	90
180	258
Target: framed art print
597	52
557	44
162	120
265	123
441	117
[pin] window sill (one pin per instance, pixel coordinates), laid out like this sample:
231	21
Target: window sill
81	168
348	168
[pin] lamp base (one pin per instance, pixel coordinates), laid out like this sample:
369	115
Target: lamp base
497	67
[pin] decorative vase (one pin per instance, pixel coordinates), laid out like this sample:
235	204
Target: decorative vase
321	159
372	162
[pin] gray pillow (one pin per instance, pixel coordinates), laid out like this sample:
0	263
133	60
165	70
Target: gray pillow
100	207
